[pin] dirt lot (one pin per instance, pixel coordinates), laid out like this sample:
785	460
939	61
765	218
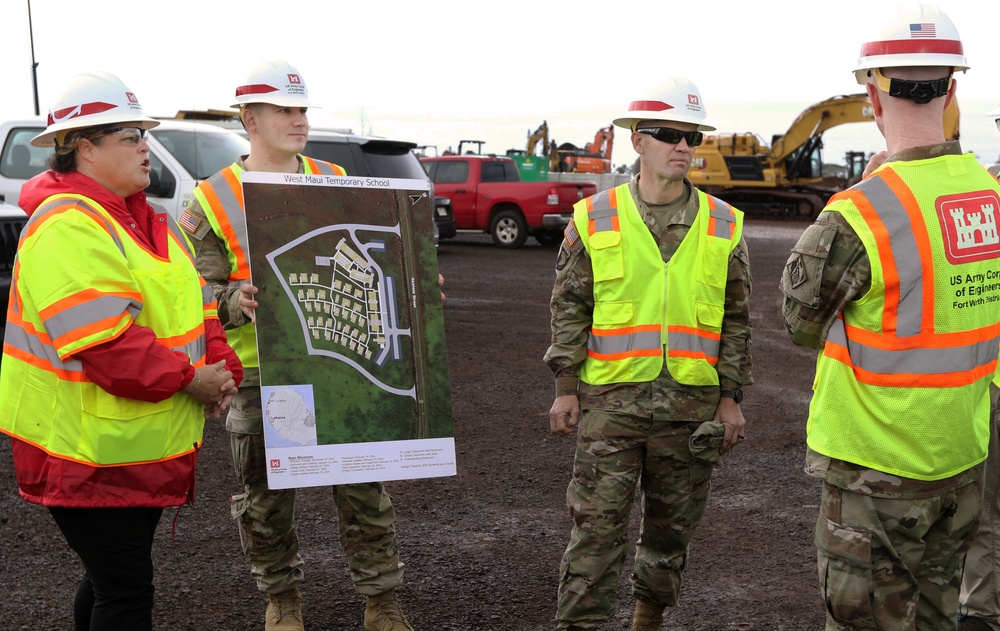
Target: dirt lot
482	549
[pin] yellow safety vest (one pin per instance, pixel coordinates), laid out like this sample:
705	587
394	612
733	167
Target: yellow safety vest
221	198
46	398
635	325
902	383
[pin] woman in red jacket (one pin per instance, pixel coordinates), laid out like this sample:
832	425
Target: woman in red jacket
113	353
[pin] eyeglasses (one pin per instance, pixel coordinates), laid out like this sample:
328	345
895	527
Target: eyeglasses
133	136
673	136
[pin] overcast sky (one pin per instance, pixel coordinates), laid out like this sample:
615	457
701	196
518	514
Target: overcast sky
445	66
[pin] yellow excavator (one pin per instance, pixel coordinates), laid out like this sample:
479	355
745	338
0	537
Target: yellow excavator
786	179
539	136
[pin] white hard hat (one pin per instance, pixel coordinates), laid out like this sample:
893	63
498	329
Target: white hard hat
920	35
677	99
276	82
994	113
93	99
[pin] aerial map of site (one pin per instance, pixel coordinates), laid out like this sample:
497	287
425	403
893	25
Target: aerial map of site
350	329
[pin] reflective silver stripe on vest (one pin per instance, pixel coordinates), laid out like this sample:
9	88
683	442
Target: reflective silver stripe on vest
893	214
624	342
325	168
39	215
207	297
920	361
602	213
678	341
230	206
17	337
194	349
88	313
722	212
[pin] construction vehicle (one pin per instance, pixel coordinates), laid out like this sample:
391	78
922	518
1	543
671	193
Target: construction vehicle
533	168
595	157
787	179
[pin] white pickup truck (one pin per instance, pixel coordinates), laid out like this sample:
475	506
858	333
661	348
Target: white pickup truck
181	153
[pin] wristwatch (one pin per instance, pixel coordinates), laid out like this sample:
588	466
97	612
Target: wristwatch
735	395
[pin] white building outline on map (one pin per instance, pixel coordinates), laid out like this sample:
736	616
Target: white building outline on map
357	307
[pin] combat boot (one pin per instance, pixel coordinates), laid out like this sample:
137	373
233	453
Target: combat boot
648	616
382	613
284	611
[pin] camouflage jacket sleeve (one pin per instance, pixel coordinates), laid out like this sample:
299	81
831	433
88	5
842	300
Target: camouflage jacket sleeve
212	261
734	347
572	307
827	268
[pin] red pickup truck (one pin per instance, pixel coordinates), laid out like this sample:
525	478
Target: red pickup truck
487	195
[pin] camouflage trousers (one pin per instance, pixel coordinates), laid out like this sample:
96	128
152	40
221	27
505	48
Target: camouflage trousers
266	518
893	564
615	453
980	594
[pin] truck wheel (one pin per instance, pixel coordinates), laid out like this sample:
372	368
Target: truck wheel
509	229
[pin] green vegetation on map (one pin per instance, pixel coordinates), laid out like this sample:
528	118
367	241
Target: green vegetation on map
349	303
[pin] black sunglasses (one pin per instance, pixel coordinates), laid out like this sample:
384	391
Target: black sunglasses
673	136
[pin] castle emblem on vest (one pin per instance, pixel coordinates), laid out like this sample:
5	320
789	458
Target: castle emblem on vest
969	226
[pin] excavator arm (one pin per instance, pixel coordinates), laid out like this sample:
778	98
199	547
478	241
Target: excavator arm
816	119
540	135
839	110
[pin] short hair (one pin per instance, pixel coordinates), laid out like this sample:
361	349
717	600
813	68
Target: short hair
64	158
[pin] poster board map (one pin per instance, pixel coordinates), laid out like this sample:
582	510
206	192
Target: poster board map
350	329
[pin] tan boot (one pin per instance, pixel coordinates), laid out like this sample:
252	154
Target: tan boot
284	611
648	616
382	613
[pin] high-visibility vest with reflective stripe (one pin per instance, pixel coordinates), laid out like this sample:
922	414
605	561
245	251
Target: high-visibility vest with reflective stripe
46	398
221	198
636	325
901	384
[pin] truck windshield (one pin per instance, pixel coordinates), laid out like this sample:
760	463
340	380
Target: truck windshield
202	153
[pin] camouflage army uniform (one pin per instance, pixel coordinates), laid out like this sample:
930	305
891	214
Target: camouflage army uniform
660	435
266	518
889	549
980	593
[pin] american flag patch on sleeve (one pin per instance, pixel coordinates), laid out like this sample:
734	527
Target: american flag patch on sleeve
189	222
570	233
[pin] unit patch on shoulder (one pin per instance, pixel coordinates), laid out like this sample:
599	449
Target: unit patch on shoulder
563	258
570	233
796	270
189	222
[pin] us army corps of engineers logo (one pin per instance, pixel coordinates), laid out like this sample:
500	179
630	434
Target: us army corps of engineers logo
969	224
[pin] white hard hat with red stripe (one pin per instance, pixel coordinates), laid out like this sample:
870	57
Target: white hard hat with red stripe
920	35
276	82
92	99
677	99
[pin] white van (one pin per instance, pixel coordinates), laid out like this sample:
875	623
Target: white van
181	154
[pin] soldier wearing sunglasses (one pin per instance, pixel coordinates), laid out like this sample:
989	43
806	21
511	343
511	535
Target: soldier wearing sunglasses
650	350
